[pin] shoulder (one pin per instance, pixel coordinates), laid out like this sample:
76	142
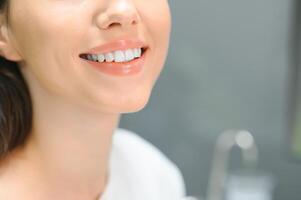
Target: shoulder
166	172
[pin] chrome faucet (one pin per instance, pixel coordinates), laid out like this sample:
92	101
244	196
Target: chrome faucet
225	142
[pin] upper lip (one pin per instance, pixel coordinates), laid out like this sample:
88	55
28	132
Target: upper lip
121	44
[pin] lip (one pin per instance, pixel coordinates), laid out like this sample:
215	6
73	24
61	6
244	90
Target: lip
121	44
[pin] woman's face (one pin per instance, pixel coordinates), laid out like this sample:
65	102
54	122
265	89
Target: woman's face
49	35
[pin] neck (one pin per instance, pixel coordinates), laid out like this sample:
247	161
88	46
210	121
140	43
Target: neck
67	153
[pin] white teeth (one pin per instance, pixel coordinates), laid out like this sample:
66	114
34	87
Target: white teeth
117	56
94	57
109	57
137	52
129	55
101	58
89	57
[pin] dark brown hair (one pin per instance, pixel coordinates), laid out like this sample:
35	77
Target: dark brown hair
15	103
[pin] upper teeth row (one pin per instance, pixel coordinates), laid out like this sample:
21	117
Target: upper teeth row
117	56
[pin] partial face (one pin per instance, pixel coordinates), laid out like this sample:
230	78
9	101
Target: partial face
49	36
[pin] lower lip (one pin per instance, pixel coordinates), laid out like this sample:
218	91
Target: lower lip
132	67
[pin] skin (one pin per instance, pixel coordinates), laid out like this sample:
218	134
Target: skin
75	109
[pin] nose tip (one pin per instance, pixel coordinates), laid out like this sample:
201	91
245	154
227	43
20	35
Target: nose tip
122	14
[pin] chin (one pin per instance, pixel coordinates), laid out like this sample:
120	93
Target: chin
130	105
134	106
121	103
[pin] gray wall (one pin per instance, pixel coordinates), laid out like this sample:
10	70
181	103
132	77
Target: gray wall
228	67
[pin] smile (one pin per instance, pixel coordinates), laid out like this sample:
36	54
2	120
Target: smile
116	66
115	56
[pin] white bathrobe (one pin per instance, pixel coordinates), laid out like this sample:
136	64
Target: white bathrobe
140	171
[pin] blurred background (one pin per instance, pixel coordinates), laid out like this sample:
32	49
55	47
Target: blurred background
231	65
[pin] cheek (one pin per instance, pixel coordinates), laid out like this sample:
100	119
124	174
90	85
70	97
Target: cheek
43	30
157	19
46	39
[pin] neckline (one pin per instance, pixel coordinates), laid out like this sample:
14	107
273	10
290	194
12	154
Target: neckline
107	187
109	179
